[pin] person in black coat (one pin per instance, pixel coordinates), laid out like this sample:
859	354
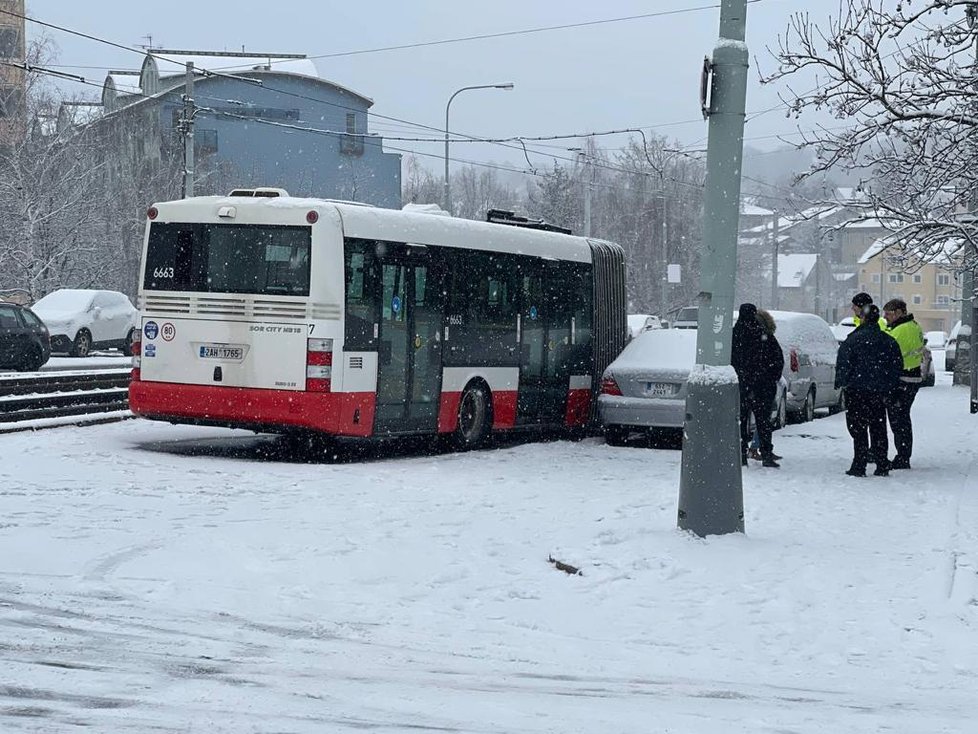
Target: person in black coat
756	357
868	368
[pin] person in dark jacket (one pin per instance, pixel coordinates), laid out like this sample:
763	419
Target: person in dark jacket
868	368
756	357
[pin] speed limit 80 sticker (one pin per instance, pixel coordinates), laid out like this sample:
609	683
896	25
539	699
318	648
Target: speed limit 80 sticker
168	331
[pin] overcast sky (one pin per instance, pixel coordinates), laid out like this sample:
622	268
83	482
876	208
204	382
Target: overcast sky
634	73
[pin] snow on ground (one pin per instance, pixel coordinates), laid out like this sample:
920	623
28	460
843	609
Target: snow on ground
179	579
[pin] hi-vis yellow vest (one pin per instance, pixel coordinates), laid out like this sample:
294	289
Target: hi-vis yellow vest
910	337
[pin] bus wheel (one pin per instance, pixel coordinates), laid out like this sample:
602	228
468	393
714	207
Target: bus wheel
473	417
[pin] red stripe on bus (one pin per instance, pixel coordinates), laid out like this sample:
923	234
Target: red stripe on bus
578	407
341	414
503	410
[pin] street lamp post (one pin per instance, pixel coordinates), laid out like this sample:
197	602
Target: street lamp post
501	85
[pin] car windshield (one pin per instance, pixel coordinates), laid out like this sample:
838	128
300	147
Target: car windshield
688	314
76	301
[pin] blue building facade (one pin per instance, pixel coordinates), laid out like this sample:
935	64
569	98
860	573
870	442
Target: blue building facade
257	123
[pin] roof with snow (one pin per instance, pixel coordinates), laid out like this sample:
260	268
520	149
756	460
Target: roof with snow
793	270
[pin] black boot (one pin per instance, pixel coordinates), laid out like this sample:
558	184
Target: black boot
882	469
900	462
857	470
768	461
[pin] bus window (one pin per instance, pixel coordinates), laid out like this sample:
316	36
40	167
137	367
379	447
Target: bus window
228	258
361	301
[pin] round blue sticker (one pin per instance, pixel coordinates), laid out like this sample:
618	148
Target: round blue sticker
151	329
396	304
533	313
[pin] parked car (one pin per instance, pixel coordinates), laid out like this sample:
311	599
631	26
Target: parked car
639	322
645	387
951	348
936	339
843	329
687	318
24	340
927	367
810	349
82	320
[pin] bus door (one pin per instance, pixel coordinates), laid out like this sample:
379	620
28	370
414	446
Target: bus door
409	341
545	326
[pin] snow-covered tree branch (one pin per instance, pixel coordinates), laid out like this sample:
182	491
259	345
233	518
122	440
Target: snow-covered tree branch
901	77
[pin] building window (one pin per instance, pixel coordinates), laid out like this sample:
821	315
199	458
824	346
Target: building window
205	142
943	301
943	279
11	101
876	277
351	122
917	278
917	300
10	43
896	277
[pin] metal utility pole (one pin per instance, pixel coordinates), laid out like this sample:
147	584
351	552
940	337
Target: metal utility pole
711	496
774	260
588	185
664	265
966	366
187	130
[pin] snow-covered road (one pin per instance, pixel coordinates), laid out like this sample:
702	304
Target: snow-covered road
176	579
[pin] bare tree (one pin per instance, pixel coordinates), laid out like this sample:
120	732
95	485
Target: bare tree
902	75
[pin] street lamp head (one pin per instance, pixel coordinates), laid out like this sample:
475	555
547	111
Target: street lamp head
504	85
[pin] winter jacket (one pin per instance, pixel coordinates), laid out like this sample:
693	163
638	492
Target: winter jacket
755	354
910	337
869	359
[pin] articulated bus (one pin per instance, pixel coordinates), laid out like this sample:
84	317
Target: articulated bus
288	315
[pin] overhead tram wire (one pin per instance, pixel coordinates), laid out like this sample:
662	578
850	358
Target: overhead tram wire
219	70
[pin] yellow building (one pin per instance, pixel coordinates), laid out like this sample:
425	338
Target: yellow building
931	291
13	81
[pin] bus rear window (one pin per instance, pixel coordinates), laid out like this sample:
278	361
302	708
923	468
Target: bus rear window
228	258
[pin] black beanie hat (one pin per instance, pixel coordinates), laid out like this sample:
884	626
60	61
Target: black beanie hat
860	300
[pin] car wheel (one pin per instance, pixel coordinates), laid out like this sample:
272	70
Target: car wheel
474	413
616	435
33	360
840	405
130	340
781	412
82	345
929	380
808	409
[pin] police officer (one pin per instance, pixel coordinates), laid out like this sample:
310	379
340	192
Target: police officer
859	302
910	338
868	367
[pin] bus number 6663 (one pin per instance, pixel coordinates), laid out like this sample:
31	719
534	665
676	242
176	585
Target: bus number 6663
162	272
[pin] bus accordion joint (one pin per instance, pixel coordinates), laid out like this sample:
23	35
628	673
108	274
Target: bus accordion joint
319	365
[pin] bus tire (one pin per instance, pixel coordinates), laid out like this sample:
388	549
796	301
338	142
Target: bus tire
474	417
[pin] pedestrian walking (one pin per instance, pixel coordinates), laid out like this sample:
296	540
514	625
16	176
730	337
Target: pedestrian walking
868	368
910	338
756	357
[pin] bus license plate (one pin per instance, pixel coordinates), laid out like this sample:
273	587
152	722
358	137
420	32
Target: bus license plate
218	351
658	390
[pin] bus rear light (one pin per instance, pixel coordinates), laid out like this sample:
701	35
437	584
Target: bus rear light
319	365
319	358
317	372
137	349
609	386
152	213
319	345
312	216
793	360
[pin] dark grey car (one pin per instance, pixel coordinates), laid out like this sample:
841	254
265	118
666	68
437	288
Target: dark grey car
24	340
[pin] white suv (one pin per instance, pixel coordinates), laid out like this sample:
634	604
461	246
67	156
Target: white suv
83	320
